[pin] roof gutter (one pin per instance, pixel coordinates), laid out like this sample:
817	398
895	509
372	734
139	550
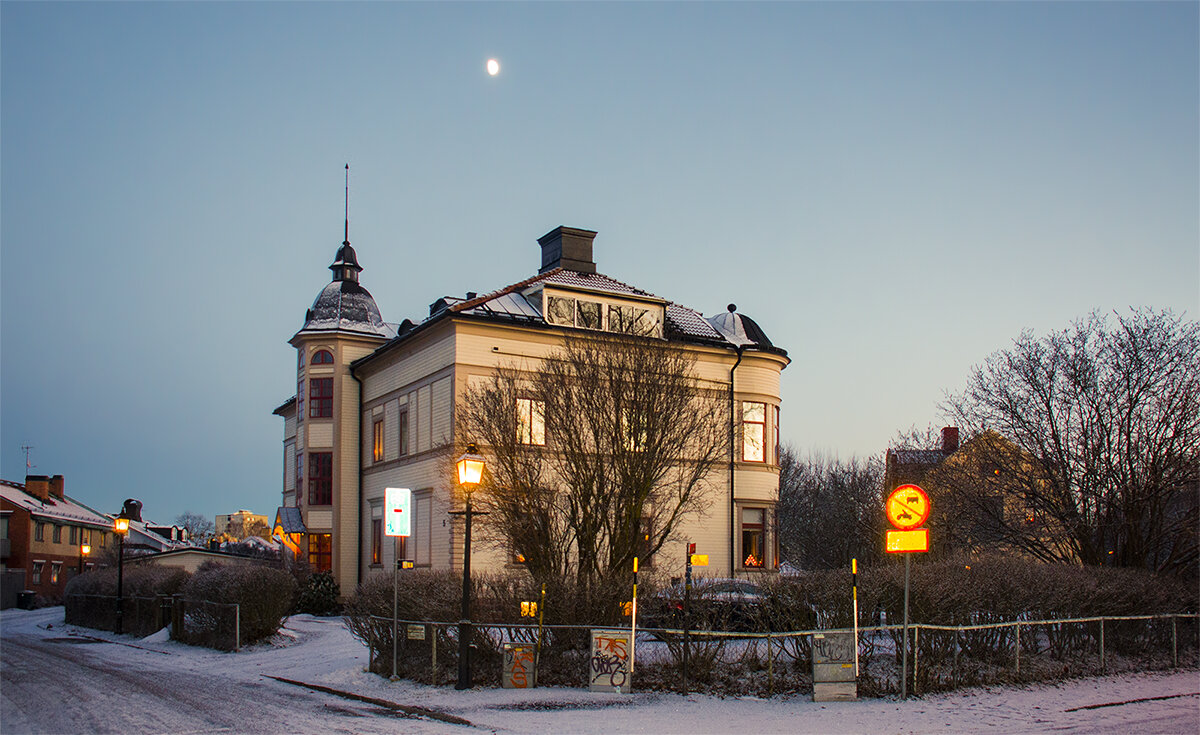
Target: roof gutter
732	460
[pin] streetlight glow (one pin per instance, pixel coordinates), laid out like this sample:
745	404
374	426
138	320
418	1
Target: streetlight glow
470	467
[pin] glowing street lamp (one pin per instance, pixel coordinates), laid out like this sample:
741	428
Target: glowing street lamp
84	550
470	472
131	511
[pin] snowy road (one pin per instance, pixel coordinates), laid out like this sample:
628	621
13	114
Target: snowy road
52	682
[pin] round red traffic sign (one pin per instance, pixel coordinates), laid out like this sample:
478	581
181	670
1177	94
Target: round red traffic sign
907	507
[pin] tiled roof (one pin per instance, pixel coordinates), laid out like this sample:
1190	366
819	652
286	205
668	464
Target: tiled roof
508	302
918	456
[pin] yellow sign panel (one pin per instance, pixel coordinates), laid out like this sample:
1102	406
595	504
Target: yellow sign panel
904	541
529	609
699	560
907	507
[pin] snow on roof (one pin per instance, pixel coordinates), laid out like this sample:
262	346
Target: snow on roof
64	510
918	456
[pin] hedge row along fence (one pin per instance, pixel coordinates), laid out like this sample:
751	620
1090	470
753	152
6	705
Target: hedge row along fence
980	621
222	607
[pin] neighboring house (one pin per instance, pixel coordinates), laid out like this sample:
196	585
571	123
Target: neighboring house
173	533
190	559
374	408
979	495
239	525
43	533
910	466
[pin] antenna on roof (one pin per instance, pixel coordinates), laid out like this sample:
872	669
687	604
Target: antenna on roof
346	241
27	449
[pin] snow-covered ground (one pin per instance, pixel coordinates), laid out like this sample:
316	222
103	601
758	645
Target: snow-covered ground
321	651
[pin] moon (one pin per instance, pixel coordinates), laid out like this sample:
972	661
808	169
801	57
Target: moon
493	67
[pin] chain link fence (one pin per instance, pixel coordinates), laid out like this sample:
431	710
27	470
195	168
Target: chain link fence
195	622
940	657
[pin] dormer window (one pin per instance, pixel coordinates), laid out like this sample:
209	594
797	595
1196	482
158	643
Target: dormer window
322	357
585	313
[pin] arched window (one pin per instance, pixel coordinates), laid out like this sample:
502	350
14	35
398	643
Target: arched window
322	357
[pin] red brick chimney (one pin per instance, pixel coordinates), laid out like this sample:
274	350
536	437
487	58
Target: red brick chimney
950	439
56	487
38	486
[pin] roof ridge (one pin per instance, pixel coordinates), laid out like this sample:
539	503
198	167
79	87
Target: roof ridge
472	303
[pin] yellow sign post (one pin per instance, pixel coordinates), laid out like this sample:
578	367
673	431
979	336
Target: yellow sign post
907	509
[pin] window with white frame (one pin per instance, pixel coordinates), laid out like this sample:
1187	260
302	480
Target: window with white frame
55	570
38	566
754	537
531	422
754	426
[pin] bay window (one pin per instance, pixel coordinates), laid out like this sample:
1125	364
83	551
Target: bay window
754	426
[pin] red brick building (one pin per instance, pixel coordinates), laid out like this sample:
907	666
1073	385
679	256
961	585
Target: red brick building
42	535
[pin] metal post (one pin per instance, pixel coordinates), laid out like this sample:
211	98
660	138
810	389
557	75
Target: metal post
633	622
395	602
237	628
854	585
120	583
770	667
904	653
537	652
916	655
1018	627
433	675
1101	645
1174	642
464	623
687	612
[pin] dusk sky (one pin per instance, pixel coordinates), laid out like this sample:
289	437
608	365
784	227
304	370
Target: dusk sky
893	191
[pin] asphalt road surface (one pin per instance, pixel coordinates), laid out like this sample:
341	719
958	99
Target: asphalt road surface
63	685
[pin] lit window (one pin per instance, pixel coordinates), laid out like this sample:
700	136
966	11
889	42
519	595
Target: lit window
753	529
775	433
402	426
320	551
531	421
754	418
320	395
322	357
376	540
55	568
320	478
634	430
377	441
37	571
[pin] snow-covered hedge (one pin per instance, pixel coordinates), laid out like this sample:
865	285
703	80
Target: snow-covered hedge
263	594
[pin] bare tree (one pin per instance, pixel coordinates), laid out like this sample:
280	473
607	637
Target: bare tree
830	510
632	439
1096	441
197	525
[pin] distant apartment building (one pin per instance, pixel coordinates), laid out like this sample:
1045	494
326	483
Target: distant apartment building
241	524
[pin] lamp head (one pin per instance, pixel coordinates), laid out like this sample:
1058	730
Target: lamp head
470	466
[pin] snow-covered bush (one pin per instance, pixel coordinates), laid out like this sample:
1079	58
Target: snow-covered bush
319	595
141	580
263	594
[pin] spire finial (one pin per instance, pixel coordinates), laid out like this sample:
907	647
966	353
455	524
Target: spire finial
346	240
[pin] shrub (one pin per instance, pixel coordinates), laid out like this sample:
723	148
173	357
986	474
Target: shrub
319	595
263	594
141	580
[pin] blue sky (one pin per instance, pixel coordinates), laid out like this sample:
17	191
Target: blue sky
892	190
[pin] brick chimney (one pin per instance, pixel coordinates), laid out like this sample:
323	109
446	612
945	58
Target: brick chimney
56	487
38	486
569	248
950	439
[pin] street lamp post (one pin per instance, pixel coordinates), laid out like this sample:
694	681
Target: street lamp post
470	470
84	550
130	511
121	527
